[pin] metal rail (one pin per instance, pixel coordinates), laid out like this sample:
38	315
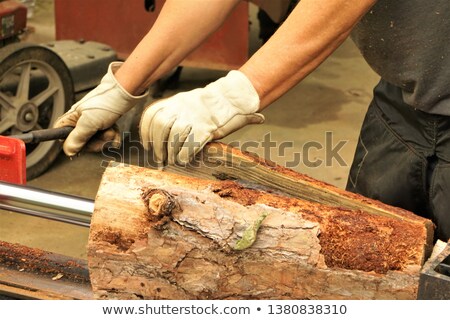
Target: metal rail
46	204
27	273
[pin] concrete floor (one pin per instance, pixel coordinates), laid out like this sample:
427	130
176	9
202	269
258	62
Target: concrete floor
332	99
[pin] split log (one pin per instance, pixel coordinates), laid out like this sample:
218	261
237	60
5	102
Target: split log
158	235
220	161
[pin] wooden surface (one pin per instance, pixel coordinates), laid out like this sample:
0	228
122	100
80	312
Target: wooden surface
303	250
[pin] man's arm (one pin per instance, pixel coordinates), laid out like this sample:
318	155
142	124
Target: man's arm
178	127
180	28
309	35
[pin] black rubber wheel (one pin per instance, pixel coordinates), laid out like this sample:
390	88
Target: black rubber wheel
35	89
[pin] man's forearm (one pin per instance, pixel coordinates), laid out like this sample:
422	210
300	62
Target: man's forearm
180	28
310	34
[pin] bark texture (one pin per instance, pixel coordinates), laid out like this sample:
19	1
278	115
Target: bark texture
158	235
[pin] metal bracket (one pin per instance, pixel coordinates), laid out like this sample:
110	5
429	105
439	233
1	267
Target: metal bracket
434	281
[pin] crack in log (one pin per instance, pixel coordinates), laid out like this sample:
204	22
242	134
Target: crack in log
174	283
181	260
289	228
219	222
232	233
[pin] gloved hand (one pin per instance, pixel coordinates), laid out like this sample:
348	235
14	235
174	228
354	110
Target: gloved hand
179	127
98	110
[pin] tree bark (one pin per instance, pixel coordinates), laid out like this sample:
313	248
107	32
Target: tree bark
158	235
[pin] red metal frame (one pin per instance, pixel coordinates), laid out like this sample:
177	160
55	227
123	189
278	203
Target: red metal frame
122	24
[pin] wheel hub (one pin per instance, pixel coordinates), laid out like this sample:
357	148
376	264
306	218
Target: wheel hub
27	117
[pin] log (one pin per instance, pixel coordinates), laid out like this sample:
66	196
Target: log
159	235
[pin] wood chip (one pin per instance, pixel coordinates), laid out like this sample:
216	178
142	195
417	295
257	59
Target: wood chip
58	276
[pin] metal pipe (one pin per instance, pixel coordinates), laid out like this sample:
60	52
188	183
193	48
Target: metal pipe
46	204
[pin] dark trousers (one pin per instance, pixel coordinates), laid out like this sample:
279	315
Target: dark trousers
403	158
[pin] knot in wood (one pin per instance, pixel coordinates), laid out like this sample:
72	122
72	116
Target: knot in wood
159	203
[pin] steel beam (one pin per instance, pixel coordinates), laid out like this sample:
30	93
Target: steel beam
46	204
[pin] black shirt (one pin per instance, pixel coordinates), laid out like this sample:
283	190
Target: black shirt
407	42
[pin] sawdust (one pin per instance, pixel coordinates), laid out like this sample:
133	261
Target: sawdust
236	192
233	191
359	241
22	258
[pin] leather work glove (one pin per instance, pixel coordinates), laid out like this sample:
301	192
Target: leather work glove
178	127
98	110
